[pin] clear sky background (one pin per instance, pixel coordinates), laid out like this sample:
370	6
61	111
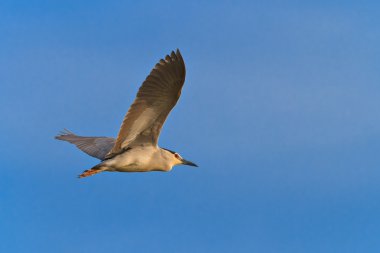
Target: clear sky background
281	110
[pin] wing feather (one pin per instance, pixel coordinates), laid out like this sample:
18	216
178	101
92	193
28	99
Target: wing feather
155	99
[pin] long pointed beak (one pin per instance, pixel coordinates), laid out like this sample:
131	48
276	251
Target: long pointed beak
185	162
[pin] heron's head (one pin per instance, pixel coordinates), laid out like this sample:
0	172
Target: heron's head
179	160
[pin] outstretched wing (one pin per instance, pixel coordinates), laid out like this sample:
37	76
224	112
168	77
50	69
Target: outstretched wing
97	147
155	99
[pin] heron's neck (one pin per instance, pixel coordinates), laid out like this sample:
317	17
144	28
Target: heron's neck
168	158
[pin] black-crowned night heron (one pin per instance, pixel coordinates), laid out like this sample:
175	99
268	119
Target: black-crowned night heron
135	149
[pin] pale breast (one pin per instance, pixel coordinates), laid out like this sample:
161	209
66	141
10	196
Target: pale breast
138	159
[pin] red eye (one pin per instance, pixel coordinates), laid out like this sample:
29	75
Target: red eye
176	155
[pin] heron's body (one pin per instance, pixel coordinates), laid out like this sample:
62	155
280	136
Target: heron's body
136	149
140	159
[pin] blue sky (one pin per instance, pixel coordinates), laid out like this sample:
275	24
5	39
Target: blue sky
280	109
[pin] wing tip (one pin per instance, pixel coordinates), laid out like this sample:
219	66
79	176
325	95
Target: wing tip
181	61
178	54
174	57
175	54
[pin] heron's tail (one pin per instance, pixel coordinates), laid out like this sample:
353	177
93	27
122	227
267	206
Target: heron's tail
94	170
97	147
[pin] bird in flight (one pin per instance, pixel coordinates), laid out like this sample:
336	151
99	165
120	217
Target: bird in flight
135	149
